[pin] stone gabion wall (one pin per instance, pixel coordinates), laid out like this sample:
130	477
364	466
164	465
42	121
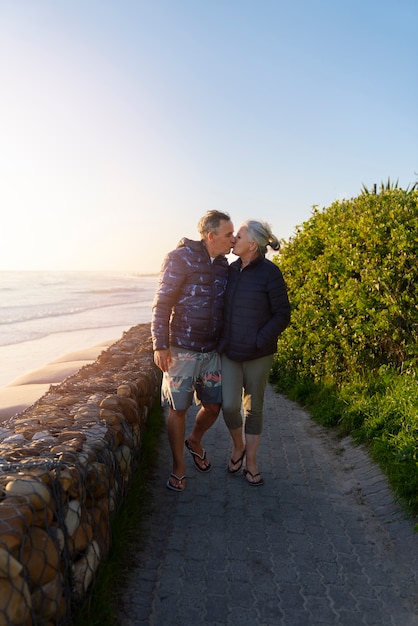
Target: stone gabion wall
65	465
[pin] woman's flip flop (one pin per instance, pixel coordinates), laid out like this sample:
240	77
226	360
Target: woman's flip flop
238	461
253	482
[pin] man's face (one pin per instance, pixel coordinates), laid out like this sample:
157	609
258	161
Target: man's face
223	240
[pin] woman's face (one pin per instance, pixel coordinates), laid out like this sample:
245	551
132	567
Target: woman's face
242	244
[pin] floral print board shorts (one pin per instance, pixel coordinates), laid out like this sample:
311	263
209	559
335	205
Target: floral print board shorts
192	374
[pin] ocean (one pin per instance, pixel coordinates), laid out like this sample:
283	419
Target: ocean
44	315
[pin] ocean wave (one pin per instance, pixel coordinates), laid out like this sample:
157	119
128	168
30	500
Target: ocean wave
37	335
70	302
23	317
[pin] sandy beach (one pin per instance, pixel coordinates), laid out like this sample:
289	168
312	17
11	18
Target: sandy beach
53	323
25	389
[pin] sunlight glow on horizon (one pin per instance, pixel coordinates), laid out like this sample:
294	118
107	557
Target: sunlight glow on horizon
122	124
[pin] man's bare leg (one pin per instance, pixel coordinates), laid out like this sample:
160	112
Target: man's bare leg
176	428
205	418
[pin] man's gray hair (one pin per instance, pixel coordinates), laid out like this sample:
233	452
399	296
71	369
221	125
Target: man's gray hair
210	222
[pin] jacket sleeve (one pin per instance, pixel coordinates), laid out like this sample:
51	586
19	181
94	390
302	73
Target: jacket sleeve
171	278
280	310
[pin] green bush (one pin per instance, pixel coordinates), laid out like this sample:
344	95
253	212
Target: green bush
350	352
351	273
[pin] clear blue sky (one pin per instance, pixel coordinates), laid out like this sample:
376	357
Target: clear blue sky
122	122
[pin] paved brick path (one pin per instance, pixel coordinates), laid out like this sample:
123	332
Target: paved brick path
321	543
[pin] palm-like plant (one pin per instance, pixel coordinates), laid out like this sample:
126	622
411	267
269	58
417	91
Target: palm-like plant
389	186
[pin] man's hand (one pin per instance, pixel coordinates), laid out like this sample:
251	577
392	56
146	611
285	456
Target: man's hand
162	359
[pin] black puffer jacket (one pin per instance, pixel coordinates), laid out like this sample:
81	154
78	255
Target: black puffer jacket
256	310
188	304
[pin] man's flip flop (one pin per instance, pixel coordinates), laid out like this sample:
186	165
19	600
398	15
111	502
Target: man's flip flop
237	462
253	482
202	457
169	485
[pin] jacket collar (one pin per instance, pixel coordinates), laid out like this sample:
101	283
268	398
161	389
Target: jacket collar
254	262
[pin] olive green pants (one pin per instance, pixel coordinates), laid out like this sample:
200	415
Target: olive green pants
244	383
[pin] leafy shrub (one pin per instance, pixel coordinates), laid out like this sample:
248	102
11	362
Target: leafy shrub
352	279
350	353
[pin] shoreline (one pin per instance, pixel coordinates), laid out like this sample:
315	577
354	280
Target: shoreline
19	358
26	389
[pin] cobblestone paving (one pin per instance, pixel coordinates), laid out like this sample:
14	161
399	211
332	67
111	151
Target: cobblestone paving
322	542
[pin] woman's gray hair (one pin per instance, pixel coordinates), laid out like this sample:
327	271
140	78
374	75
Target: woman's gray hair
260	232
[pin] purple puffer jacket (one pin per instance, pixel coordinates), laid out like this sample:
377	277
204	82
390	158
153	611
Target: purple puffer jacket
188	304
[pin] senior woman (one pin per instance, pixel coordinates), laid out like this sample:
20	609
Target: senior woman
256	311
